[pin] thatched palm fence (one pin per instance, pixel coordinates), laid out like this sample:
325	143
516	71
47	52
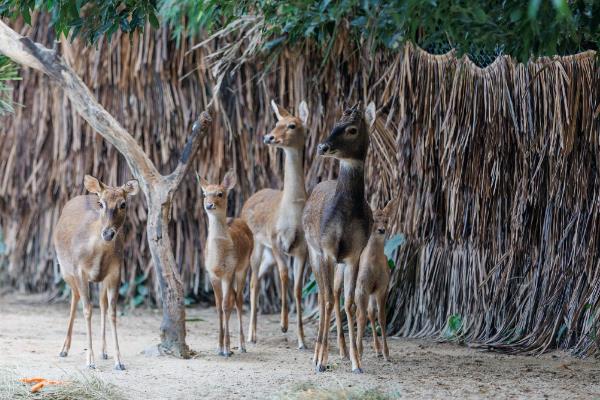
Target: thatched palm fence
496	170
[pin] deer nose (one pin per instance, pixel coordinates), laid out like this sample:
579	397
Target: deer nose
323	148
108	234
210	206
268	139
381	230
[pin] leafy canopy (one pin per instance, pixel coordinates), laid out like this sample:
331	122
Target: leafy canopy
516	27
90	20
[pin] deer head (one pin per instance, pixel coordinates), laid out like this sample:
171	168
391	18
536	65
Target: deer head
289	130
112	204
215	195
349	138
381	218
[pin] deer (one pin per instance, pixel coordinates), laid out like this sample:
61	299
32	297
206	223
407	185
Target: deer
337	223
89	246
227	257
275	218
372	283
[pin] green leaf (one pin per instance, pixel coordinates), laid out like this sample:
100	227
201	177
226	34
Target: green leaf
153	20
310	287
391	264
392	244
124	289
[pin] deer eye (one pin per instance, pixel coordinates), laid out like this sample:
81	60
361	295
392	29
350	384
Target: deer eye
352	130
292	126
122	206
220	194
100	204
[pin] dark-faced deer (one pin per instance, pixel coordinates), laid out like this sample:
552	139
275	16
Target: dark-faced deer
275	218
372	283
89	246
337	223
227	256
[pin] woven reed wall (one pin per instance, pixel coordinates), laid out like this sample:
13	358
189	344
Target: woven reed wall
496	170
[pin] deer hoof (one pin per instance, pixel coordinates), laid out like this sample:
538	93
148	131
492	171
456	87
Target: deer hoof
226	353
253	341
284	329
63	354
243	350
357	370
302	346
119	367
104	356
321	368
92	366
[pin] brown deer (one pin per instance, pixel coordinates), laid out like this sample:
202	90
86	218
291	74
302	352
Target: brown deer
372	283
227	256
275	218
89	246
337	222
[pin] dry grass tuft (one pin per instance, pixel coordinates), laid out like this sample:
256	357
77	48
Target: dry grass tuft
309	392
76	387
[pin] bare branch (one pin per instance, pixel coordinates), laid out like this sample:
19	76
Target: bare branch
25	52
199	130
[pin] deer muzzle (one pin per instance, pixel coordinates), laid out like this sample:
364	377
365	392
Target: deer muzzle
109	234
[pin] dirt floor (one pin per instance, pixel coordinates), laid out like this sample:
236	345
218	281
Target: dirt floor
32	332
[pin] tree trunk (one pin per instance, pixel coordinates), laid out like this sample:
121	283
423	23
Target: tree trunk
172	329
157	188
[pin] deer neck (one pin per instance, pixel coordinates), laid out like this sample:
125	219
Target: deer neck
376	243
294	192
351	181
217	227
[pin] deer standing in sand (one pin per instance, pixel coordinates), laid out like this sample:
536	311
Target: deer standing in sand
227	256
89	246
337	223
275	218
372	283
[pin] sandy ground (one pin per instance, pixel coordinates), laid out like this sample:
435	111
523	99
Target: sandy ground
32	332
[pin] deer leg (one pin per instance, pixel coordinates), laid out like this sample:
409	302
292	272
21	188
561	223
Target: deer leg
216	284
361	319
350	276
382	322
257	253
283	275
239	304
327	280
84	289
299	262
316	270
371	312
112	291
103	307
337	294
74	300
228	299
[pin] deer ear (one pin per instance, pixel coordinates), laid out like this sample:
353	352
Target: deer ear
390	207
203	182
229	180
132	187
279	111
93	185
370	114
303	112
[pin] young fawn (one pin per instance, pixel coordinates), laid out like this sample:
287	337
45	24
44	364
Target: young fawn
337	222
227	256
275	218
372	283
89	246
